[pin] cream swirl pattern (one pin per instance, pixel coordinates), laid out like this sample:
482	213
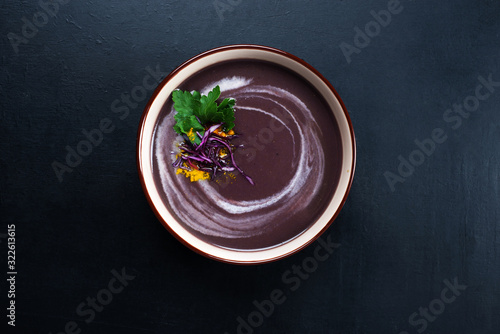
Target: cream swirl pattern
210	212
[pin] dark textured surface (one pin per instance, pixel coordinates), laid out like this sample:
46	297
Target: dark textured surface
398	249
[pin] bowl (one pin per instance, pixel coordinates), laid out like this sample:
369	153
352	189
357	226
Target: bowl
295	141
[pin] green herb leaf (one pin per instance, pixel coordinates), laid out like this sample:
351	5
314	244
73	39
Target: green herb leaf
186	123
196	111
185	103
227	111
226	103
209	106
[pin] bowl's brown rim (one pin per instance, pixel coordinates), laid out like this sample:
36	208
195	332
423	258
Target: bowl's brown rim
218	50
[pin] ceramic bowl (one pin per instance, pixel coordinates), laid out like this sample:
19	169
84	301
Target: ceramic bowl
297	143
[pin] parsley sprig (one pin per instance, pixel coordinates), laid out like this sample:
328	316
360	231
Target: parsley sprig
206	150
195	112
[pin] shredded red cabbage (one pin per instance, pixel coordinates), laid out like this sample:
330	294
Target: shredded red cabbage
214	154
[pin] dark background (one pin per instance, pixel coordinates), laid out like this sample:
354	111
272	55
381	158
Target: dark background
397	248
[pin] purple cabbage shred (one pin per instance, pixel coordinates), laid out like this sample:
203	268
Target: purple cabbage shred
214	154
